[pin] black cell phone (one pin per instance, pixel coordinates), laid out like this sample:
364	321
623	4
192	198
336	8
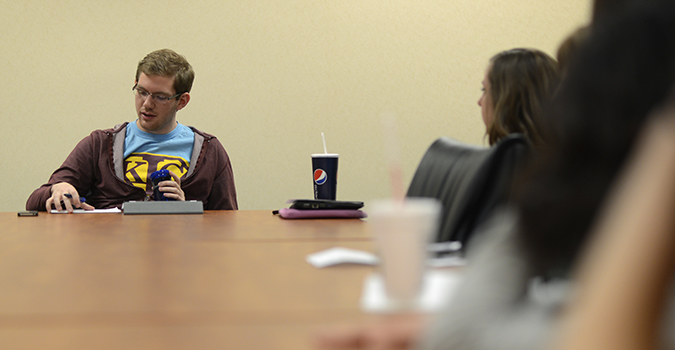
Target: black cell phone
27	213
309	204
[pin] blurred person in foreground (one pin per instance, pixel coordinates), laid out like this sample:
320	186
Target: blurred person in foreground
113	166
624	273
517	281
569	47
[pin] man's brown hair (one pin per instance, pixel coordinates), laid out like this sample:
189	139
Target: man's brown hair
168	63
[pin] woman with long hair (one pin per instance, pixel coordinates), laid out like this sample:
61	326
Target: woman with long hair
516	86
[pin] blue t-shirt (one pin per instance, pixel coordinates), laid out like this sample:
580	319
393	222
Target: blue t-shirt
145	153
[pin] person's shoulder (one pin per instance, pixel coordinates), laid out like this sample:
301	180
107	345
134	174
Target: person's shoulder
211	142
102	134
205	135
114	130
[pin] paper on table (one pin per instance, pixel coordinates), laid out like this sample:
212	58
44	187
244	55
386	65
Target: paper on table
339	255
82	211
437	289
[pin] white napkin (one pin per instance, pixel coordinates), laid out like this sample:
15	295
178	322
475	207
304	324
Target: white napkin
339	255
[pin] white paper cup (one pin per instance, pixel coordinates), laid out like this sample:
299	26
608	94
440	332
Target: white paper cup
402	231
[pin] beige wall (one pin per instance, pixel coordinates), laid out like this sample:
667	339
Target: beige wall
270	77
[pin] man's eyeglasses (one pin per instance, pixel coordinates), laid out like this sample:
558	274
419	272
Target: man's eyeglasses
157	98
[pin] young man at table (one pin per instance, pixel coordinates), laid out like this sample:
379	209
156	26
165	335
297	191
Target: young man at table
112	166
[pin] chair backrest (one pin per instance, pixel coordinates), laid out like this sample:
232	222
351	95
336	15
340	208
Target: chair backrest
470	181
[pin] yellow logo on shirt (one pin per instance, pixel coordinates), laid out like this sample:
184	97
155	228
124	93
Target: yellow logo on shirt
138	167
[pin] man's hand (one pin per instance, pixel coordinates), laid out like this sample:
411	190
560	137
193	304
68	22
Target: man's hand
59	192
171	189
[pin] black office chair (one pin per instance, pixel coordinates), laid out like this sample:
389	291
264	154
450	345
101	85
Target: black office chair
470	181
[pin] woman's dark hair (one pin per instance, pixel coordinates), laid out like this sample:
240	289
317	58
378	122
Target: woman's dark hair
521	82
603	9
569	47
625	69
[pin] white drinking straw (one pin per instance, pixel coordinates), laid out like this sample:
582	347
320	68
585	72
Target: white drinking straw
392	147
325	151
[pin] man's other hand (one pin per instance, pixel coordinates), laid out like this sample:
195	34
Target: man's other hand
65	193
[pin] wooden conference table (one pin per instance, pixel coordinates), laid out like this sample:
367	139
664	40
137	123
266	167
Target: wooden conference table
222	280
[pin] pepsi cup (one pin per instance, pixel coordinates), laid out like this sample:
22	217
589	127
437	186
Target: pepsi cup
325	167
157	177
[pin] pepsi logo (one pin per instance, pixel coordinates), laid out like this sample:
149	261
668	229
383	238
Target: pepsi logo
320	176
